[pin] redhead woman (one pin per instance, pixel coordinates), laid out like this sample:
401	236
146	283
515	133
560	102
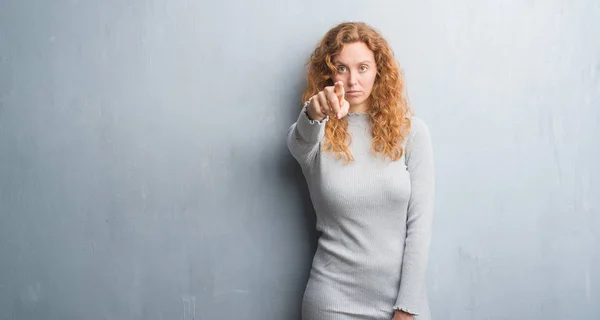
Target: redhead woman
368	164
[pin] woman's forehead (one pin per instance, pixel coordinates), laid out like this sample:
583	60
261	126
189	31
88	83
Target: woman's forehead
354	53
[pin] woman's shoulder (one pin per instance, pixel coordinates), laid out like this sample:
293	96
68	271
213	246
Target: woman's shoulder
419	133
417	125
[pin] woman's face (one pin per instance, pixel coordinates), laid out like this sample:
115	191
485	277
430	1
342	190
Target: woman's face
356	68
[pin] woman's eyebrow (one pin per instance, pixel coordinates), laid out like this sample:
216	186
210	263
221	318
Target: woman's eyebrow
362	62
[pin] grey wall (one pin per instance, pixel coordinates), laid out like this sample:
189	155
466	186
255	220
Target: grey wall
144	173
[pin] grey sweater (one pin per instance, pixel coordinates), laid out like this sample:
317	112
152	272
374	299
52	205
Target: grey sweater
375	216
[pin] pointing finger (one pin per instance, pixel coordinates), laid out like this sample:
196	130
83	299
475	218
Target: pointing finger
334	103
339	89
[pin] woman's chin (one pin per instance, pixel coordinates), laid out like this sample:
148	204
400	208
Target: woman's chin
355	101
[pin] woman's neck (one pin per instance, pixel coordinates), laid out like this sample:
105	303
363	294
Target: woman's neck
358	108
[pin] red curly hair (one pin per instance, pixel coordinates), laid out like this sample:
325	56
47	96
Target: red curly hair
388	107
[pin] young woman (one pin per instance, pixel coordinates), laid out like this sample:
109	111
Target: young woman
368	163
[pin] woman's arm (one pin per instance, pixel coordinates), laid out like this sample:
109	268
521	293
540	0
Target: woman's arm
304	137
420	165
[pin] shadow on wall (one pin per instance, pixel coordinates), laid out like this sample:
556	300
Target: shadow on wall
292	171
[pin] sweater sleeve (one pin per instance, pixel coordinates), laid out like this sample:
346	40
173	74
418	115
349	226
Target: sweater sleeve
420	165
304	137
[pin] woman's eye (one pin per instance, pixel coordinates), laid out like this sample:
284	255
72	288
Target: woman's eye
341	68
363	68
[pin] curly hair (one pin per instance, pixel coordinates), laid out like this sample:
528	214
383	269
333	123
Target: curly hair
388	107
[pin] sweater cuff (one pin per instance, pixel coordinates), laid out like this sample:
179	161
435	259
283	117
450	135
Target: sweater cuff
310	130
407	310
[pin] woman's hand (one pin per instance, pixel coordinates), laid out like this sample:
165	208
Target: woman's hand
328	101
401	315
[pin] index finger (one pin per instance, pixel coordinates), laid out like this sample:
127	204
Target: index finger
334	103
339	89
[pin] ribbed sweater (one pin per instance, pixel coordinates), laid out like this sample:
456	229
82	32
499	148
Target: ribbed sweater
375	217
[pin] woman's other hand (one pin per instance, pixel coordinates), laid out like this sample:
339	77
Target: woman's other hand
401	315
